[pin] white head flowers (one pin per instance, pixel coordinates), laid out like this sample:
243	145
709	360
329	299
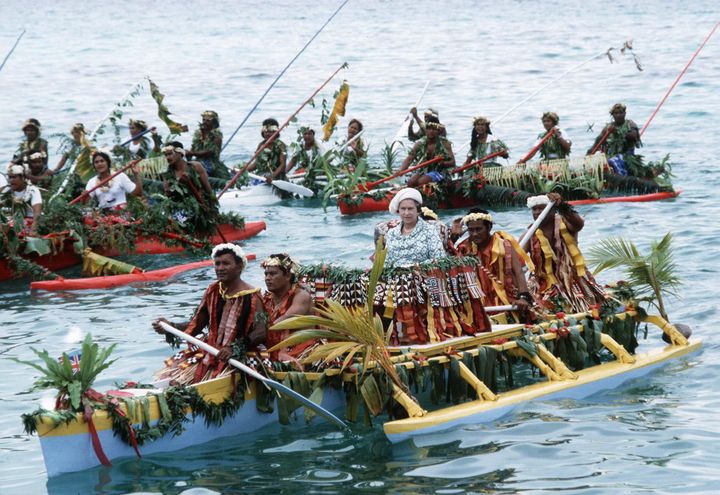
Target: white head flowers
237	251
477	217
540	200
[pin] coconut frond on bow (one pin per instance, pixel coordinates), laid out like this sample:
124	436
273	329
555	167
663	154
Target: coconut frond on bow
348	331
652	274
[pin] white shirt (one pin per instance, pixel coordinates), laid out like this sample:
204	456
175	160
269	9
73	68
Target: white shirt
30	196
116	191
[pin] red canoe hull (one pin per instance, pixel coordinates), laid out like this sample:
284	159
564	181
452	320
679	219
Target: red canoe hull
111	281
369	205
144	245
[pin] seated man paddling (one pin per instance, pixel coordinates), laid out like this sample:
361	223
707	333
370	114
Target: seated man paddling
233	312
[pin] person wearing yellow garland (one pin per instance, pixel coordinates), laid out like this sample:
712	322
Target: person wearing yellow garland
284	298
501	257
233	313
560	281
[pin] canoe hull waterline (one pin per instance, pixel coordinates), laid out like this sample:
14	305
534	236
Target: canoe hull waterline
589	381
69	448
67	257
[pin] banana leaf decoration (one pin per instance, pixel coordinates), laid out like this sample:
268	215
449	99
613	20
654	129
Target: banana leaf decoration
83	162
338	110
163	112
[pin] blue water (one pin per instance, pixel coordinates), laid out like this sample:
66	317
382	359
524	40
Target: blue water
657	435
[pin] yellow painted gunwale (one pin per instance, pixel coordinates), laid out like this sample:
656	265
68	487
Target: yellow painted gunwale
537	390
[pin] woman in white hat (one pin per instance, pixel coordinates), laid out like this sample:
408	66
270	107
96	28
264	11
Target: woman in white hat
413	240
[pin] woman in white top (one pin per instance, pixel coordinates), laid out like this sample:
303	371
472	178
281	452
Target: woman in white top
413	240
112	195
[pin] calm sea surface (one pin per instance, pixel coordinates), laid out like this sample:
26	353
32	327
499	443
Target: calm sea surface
657	435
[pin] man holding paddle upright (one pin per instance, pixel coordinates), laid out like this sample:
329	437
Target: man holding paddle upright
432	148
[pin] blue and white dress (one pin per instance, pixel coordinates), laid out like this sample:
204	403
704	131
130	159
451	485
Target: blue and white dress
423	244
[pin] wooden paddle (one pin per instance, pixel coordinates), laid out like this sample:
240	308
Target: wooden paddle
406	122
263	379
369	185
476	162
286	186
537	146
101	183
525	239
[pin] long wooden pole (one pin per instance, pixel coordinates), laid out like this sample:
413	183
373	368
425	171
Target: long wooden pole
369	185
537	146
101	183
477	162
12	49
257	376
276	133
677	79
406	122
281	74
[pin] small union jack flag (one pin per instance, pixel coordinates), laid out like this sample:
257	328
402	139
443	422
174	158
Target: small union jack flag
74	358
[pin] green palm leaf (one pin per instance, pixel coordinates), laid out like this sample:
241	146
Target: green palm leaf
652	274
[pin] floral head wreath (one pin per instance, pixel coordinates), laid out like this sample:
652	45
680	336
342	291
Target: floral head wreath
552	116
210	113
31	123
431	113
78	127
237	251
481	120
428	213
435	125
14	169
540	200
477	217
175	149
284	261
138	123
270	128
617	106
38	155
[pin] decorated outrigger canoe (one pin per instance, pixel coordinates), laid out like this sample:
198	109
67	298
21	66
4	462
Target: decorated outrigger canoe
459	371
455	377
586	180
58	251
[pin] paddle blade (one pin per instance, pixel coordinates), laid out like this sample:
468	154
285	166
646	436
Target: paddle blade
293	188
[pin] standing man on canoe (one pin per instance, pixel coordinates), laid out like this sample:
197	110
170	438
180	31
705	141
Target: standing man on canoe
618	140
284	298
233	313
501	259
560	281
431	146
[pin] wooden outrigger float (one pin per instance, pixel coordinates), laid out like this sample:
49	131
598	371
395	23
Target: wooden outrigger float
68	442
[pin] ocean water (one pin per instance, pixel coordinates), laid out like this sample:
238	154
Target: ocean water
655	435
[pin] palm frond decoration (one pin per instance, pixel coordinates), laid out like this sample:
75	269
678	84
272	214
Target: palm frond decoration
652	274
71	384
349	331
